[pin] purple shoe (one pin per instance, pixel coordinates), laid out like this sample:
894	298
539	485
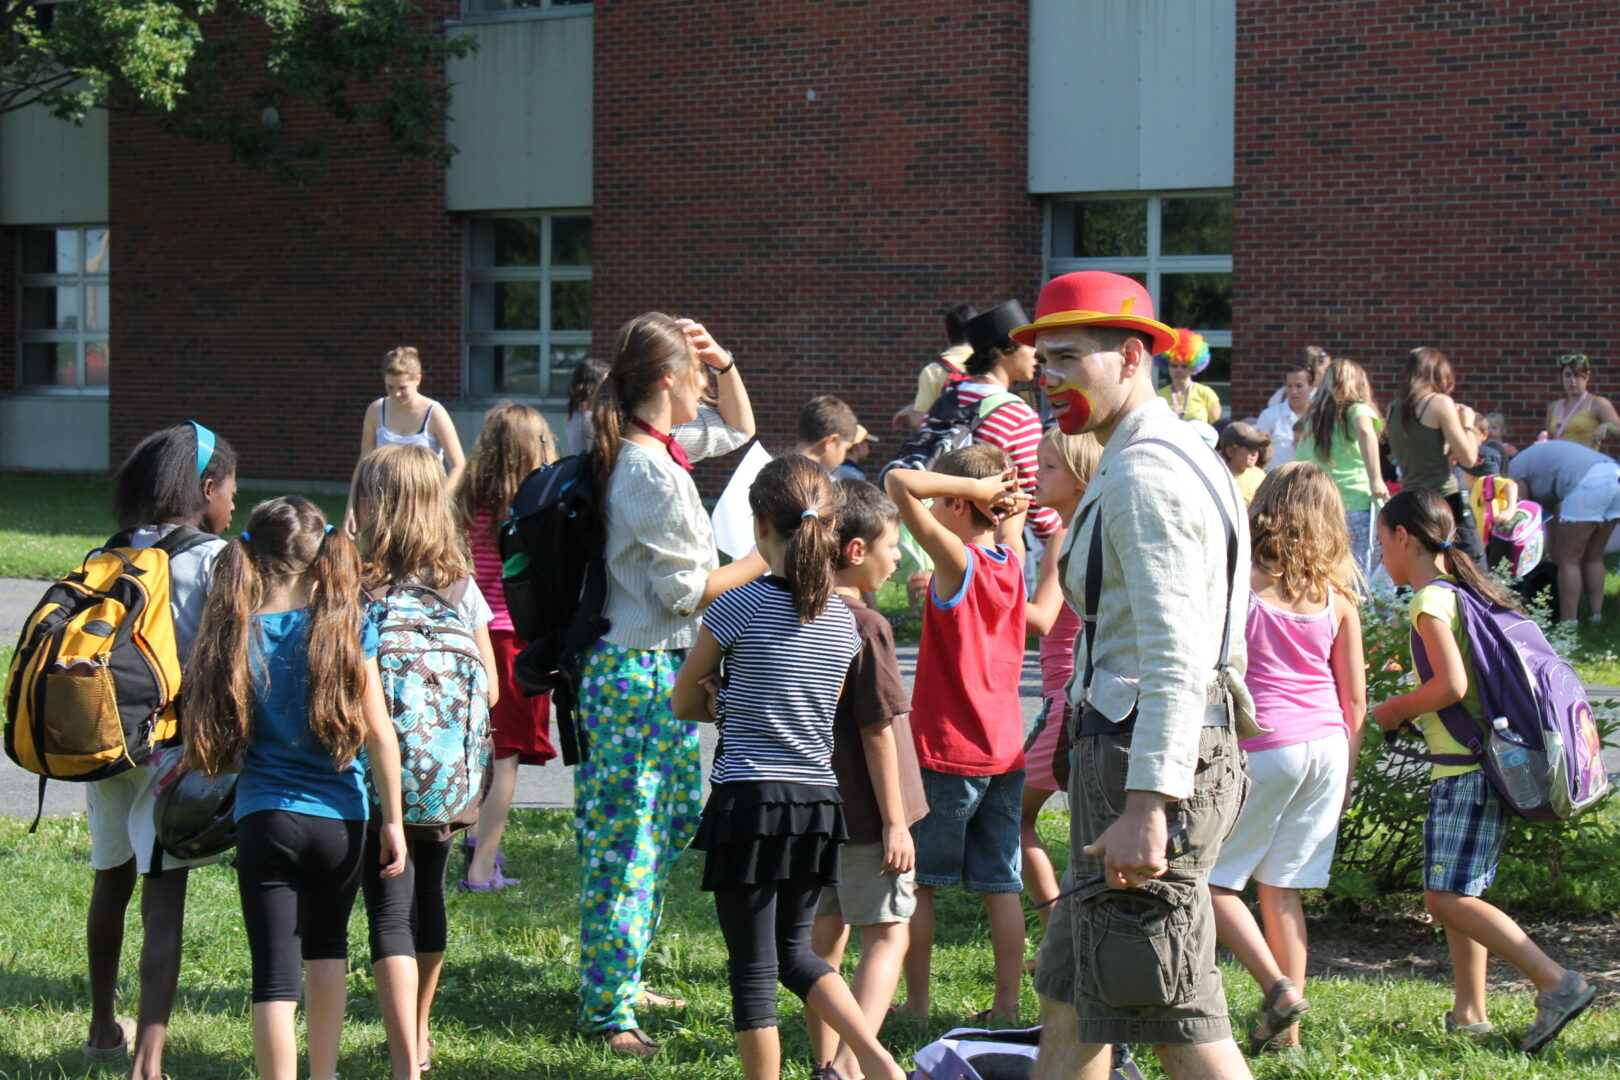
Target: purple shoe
496	881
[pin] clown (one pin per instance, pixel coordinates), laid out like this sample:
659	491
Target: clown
1189	356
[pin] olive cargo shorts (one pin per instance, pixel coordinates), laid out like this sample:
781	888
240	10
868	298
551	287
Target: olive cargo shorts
1139	964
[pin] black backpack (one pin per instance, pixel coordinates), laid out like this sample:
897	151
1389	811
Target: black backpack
950	426
555	583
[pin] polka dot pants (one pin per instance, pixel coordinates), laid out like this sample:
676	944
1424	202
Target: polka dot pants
637	801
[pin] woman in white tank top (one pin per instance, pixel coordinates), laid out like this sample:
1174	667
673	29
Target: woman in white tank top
402	415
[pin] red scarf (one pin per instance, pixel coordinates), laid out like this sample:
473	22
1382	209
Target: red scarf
676	451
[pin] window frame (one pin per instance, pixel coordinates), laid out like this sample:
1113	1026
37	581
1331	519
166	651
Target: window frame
80	338
544	274
547	10
1151	264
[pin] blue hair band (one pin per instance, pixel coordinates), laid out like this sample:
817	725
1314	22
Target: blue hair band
205	447
329	528
245	538
807	514
1444	544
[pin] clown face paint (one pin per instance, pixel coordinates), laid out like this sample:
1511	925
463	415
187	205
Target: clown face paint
1071	403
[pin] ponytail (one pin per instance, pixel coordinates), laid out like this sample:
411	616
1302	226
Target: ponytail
608	420
218	699
1427	518
793	496
336	691
646	348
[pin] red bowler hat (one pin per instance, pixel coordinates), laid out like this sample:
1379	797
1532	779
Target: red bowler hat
1096	298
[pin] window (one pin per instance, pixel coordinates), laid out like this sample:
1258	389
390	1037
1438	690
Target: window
1178	245
528	303
62	308
478	10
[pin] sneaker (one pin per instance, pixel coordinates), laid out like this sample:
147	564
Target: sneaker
1555	1008
497	880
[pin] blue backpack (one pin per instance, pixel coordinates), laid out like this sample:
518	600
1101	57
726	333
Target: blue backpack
437	689
1520	677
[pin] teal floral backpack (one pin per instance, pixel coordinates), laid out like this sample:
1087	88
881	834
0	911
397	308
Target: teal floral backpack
437	689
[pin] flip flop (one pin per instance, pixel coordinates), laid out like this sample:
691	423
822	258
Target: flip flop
126	1038
1274	1019
652	999
1484	1027
640	1046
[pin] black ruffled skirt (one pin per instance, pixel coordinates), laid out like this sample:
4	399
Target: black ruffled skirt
755	831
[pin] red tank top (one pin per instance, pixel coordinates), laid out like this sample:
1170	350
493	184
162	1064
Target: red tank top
965	714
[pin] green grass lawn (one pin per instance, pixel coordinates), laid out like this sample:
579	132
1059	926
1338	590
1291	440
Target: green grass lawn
506	1006
47	523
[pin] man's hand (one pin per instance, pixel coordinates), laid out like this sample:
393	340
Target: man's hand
1133	846
899	853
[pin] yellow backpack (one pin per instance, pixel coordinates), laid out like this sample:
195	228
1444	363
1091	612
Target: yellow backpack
94	681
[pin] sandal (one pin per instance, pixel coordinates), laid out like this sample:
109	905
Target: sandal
126	1038
636	1045
825	1072
984	1019
1274	1020
652	999
427	1058
469	848
1555	1008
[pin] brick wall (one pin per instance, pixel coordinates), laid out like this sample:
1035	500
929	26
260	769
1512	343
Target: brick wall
263	309
820	239
1410	173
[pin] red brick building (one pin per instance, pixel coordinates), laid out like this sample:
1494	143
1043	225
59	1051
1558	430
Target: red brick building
818	181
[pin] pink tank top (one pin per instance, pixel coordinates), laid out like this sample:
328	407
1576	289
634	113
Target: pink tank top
1057	653
1291	675
487	569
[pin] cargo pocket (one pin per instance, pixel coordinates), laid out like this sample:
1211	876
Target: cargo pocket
1135	944
81	716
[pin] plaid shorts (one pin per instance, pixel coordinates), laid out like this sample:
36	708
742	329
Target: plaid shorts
1462	836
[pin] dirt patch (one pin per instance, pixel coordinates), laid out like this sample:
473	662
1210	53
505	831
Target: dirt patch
1409	946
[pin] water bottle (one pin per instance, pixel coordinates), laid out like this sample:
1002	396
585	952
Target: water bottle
1523	780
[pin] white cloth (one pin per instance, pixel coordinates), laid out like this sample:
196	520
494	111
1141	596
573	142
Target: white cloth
1596	498
1285	833
121	826
733	519
1278	422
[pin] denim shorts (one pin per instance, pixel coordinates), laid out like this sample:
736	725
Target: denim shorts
970	836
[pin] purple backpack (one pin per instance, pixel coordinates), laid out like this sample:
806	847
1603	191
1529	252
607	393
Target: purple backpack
1520	677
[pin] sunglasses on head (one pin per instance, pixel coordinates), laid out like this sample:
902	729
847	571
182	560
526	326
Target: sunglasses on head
1576	358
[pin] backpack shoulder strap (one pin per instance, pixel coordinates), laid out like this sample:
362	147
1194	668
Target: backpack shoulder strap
991	402
183	539
1094	559
1460	724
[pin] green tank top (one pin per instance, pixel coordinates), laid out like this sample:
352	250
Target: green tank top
1421	451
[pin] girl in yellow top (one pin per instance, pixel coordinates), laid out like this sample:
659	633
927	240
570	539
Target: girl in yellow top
1189	400
1462	835
1247	453
1580	416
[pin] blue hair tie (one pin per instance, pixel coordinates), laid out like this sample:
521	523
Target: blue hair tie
808	514
205	447
244	537
329	528
1445	544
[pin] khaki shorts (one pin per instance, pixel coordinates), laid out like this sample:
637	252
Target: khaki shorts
1139	964
121	825
869	895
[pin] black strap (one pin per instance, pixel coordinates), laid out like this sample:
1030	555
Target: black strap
1094	560
39	809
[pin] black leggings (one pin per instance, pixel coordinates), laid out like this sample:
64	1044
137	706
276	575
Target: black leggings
297	876
406	912
1468	537
767	932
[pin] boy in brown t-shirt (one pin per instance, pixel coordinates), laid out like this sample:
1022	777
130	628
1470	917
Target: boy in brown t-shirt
877	772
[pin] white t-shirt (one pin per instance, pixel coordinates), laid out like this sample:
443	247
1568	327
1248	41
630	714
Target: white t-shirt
1278	422
191	575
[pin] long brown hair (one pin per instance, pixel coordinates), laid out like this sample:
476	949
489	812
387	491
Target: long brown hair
289	538
646	348
1427	518
1427	369
1297	533
514	441
793	496
406	527
1343	384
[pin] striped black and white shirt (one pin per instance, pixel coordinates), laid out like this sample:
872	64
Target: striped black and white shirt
780	684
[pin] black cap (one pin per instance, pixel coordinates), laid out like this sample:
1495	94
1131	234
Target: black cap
995	325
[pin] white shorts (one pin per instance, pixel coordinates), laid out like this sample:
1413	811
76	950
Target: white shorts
1596	498
121	825
1285	832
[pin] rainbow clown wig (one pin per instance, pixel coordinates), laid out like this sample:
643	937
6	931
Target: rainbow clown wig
1190	350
